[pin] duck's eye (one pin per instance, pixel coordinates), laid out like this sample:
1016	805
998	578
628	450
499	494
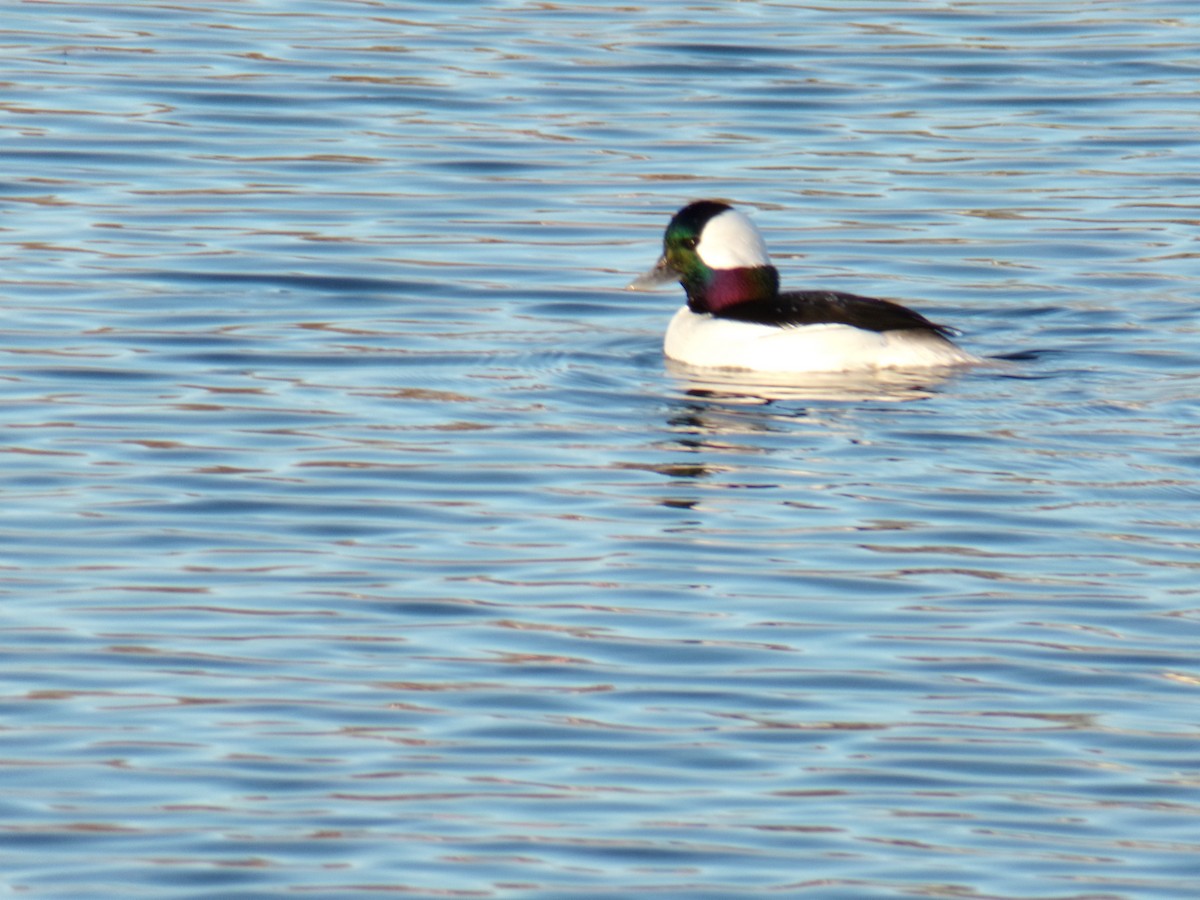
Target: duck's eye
689	243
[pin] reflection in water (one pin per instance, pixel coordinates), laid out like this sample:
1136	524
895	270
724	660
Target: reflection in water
355	542
887	385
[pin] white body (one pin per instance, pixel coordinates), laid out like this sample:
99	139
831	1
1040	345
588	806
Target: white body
703	341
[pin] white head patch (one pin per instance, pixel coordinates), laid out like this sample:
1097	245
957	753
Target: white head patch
730	241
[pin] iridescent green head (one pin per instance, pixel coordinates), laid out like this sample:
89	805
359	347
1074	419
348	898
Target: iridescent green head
718	256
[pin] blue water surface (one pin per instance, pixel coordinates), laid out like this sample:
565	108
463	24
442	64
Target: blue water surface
356	539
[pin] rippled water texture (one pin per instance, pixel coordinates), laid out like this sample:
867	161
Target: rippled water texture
355	539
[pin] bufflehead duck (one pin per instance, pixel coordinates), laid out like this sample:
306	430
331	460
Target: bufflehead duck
736	317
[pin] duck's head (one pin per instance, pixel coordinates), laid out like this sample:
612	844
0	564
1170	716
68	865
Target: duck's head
718	256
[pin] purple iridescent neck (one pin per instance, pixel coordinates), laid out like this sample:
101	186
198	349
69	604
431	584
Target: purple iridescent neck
722	289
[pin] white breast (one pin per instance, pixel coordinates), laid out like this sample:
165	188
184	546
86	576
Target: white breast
699	339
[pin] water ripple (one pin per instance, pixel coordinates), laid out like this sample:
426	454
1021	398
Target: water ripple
357	539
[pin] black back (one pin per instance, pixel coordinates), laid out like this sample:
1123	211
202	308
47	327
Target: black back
828	307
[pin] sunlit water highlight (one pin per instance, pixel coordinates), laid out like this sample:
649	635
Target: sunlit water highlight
356	538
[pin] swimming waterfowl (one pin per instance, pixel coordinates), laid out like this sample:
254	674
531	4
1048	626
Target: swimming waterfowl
737	318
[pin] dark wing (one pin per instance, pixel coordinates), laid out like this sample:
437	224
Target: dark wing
826	307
